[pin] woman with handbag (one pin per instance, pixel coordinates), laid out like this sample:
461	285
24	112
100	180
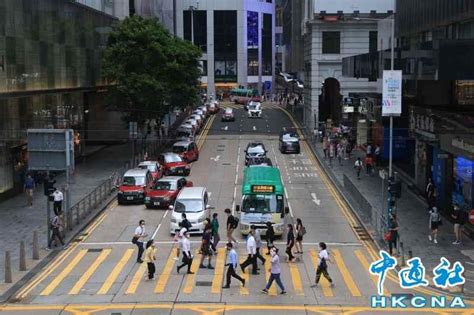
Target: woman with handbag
434	223
323	259
300	232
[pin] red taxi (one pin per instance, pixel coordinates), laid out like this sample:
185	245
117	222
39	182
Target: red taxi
154	168
173	164
164	192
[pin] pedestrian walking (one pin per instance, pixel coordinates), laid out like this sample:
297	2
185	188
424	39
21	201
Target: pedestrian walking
56	229
430	192
187	256
377	155
369	149
322	269
29	188
232	223
139	238
275	271
258	242
270	236
58	198
185	222
332	152
150	258
251	252
358	167
232	263
300	232
340	153
178	240
393	228
325	147
215	233
434	223
290	242
368	165
206	247
460	218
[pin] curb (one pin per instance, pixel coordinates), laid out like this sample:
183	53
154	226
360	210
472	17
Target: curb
6	297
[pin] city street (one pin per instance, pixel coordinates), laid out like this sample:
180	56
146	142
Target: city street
98	274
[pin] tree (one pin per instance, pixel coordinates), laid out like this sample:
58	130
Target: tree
149	69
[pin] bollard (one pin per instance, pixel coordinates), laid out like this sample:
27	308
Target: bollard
8	267
402	252
410	254
35	245
22	256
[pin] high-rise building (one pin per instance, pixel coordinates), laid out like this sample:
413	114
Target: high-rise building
118	8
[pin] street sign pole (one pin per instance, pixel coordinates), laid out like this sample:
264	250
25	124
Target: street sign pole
48	211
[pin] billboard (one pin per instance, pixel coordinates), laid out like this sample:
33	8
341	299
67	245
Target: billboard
392	93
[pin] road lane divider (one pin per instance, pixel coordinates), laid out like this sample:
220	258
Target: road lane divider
64	273
324	283
165	275
366	266
346	275
137	277
76	289
190	281
272	291
219	271
244	290
115	272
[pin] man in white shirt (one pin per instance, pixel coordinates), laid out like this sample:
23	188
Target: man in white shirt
187	256
58	201
258	241
252	254
139	238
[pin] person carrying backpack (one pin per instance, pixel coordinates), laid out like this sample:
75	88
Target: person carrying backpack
434	223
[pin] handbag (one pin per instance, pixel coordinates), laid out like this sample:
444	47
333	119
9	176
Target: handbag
387	236
134	240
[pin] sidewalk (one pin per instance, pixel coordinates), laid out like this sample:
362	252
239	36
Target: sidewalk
19	221
412	217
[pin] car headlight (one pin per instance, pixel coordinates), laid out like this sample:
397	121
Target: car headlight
188	167
166	198
172	168
173	220
200	220
147	198
120	192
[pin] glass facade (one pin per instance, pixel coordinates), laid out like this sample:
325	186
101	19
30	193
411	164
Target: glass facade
199	28
49	58
225	46
267	46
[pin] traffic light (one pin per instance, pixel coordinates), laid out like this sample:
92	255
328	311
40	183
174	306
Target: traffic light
49	186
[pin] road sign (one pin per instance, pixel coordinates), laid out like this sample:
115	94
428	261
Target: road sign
50	149
471	217
392	93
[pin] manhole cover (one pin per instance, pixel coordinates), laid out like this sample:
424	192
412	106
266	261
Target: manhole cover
203	283
94	250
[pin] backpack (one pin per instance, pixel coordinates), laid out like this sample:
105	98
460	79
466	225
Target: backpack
235	223
463	217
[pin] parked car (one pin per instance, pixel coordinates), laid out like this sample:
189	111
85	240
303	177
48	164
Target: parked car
254	150
193	123
193	201
289	142
184	133
214	107
163	192
133	186
198	118
173	164
228	115
205	110
254	109
154	167
187	150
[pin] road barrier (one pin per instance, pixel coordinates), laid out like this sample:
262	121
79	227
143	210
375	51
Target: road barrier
8	267
35	255
22	256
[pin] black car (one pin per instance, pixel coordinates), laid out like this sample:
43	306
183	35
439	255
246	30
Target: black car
255	150
289	142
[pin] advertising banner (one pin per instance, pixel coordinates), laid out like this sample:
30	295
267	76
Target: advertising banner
392	93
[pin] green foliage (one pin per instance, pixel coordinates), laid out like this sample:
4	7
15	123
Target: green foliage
151	68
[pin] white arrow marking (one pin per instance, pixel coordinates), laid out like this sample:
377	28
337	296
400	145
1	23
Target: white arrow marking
216	158
254	128
315	199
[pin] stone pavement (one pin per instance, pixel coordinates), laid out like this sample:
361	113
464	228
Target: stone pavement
412	217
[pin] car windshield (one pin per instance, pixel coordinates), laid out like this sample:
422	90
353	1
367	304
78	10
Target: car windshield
170	158
150	167
228	111
134	181
262	203
189	205
290	137
252	106
179	149
252	150
163	185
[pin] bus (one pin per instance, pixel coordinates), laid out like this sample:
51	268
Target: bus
262	199
242	96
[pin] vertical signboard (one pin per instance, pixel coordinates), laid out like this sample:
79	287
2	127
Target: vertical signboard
392	93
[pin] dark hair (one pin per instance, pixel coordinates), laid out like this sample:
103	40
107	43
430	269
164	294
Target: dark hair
227	210
276	249
229	244
140	222
183	215
149	243
214	215
323	245
298	222
290	226
269	224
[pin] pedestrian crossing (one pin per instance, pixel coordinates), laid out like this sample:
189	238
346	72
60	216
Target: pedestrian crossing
113	270
239	106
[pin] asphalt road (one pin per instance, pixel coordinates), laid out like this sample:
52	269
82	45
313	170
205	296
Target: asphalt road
98	274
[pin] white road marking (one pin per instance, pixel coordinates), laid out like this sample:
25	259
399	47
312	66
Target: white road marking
156	231
226	127
198	242
254	128
315	199
215	159
166	213
289	206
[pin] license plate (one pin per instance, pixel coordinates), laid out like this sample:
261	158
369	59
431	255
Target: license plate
156	203
130	198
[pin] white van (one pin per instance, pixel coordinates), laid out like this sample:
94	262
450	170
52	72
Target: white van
193	201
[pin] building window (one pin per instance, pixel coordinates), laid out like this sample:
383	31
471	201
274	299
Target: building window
199	29
373	41
225	46
252	56
267	47
331	42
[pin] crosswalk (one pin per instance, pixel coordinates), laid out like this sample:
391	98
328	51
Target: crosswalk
105	271
239	106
